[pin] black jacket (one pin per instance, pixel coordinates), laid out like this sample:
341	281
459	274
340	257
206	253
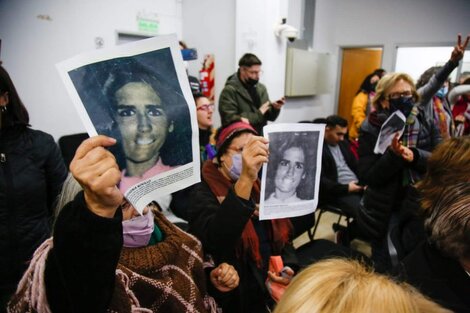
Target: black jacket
80	269
31	175
439	277
329	186
380	169
219	227
383	173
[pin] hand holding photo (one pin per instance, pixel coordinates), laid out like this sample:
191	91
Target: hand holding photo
394	125
139	94
289	186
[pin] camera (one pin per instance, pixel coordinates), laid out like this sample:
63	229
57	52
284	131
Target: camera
290	32
286	31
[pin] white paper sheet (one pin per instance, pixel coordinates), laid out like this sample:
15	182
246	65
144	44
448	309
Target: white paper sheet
394	124
291	179
157	132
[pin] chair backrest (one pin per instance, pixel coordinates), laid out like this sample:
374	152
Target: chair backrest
68	145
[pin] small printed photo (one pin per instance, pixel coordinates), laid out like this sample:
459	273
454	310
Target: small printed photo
292	167
394	124
291	177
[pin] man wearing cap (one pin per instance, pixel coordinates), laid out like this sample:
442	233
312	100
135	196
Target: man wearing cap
245	99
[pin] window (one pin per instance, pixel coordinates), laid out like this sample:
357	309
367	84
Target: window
416	60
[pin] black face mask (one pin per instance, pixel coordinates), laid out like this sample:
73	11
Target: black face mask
405	105
251	82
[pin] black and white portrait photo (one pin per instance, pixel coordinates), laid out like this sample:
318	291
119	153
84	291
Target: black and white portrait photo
292	170
138	100
291	167
394	124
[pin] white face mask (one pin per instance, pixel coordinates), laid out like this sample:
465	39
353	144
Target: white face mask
138	230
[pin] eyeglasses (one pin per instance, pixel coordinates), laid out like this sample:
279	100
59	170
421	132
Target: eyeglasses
206	107
398	95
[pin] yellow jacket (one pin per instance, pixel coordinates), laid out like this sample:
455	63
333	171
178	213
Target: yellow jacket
358	113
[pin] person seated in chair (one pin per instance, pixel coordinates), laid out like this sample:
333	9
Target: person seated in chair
338	181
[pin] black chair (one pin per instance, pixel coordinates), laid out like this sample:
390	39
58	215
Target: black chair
68	145
336	226
302	224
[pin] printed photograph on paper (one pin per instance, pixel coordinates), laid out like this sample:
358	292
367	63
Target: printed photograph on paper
139	94
290	182
394	124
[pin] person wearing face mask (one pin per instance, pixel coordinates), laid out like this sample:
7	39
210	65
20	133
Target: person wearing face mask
438	106
362	103
224	217
245	99
105	256
390	201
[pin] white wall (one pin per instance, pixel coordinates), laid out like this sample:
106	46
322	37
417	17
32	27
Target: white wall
209	26
343	23
255	21
230	28
31	47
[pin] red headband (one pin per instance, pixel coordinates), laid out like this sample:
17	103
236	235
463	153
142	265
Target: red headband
231	130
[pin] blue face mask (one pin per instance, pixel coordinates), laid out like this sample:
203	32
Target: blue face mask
236	169
405	105
441	93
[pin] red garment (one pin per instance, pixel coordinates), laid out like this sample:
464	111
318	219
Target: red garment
281	228
460	107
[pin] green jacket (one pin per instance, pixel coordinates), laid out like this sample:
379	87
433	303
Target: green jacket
235	102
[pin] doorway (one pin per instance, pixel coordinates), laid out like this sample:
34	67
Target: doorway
356	64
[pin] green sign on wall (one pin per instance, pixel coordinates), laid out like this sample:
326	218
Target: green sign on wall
148	26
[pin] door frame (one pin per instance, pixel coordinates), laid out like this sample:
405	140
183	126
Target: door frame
340	67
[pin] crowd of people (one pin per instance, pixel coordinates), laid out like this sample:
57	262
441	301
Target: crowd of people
71	241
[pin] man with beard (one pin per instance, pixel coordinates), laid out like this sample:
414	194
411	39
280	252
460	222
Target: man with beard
339	182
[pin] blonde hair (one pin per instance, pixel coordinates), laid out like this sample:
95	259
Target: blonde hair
387	82
338	285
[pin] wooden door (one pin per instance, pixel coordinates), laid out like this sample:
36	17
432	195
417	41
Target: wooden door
356	64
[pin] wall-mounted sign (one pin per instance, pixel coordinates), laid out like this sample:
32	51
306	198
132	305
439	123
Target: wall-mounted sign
148	22
148	26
